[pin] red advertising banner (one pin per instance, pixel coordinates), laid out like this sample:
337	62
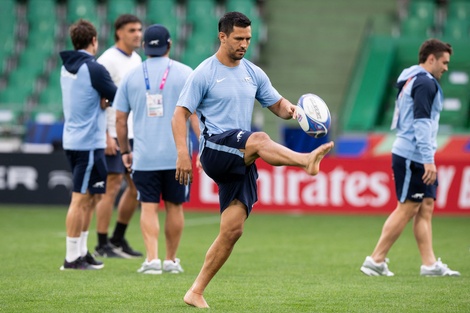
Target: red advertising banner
344	185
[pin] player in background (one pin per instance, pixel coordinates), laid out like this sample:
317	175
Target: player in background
222	91
151	92
118	60
416	120
84	83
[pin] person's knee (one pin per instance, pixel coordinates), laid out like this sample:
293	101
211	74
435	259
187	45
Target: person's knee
113	184
232	234
259	138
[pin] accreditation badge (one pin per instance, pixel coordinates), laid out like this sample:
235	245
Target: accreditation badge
154	105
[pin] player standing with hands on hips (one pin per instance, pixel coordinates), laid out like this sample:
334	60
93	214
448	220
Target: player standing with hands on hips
222	91
416	119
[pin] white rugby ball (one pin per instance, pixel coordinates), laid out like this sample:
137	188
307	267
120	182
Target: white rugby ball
313	115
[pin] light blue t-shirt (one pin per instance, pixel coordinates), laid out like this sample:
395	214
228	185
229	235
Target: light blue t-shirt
154	146
223	97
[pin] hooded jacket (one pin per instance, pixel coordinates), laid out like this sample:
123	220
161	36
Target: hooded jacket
417	111
84	82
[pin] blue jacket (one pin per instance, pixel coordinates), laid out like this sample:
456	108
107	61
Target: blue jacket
84	82
417	111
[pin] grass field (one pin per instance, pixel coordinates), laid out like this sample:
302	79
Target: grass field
281	264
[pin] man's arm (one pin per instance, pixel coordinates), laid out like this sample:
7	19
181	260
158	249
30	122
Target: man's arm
102	82
184	172
122	130
284	109
423	93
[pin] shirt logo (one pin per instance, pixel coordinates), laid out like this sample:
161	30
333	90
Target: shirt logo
99	184
221	80
239	135
247	79
417	196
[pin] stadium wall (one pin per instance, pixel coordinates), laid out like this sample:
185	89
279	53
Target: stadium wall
346	185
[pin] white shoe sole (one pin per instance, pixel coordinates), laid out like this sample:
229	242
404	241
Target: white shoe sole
369	272
151	272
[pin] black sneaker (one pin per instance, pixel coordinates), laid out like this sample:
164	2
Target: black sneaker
78	264
93	262
124	249
106	252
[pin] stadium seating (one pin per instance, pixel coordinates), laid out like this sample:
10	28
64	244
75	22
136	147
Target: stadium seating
165	12
116	8
459	9
86	9
420	19
423	9
456	29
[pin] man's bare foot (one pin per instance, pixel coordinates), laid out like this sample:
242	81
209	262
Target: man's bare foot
315	157
195	299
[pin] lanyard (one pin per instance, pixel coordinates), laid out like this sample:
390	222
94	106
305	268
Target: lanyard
146	76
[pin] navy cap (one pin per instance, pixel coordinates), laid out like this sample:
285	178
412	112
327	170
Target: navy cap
156	40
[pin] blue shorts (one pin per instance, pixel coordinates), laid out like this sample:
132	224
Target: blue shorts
409	183
89	170
114	162
153	184
222	161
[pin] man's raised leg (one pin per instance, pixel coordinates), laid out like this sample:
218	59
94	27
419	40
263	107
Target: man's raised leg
260	145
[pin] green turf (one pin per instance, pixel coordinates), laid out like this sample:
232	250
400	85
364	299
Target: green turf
281	264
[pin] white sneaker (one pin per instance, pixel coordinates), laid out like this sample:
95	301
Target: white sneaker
153	267
438	269
172	267
371	268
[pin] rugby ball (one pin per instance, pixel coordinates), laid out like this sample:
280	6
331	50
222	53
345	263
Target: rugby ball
313	115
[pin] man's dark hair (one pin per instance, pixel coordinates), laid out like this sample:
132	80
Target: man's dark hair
231	19
82	33
435	47
123	20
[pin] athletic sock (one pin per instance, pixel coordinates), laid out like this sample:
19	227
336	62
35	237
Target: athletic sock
83	243
119	232
102	239
72	245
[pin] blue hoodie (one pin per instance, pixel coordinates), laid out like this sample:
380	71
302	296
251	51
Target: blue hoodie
417	111
84	82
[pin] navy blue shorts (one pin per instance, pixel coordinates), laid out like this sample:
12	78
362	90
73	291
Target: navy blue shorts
89	170
222	161
153	184
409	183
114	162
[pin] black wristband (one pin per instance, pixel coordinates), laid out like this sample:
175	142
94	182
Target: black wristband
125	152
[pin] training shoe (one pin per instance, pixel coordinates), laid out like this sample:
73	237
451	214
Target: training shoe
78	264
123	248
152	267
92	261
172	267
106	252
438	269
371	268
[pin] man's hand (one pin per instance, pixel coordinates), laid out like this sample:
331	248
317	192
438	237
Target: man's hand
430	173
184	171
104	103
111	146
127	160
